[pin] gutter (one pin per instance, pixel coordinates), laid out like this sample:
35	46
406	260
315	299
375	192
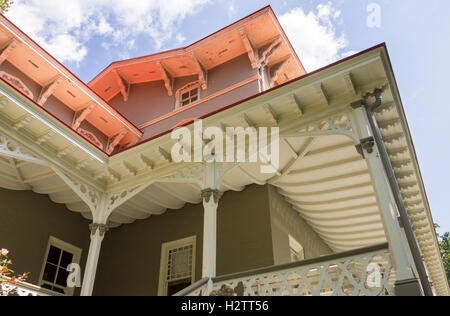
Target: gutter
404	217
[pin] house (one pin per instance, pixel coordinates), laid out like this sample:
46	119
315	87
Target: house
88	175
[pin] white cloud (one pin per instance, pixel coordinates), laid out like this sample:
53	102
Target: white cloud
65	27
349	53
180	38
313	35
231	8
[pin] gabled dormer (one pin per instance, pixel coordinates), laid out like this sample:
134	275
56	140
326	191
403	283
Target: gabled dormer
159	91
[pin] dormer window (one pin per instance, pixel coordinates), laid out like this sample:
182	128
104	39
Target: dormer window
188	94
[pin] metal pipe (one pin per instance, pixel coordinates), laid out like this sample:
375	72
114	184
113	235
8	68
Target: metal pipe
404	217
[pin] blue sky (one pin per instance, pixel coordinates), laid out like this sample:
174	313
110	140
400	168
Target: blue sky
87	35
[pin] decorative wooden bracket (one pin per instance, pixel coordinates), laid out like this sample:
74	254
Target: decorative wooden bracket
123	84
165	155
209	193
265	56
82	115
23	122
115	140
202	74
270	114
252	55
7	50
349	83
47	91
321	93
366	144
168	80
295	104
278	71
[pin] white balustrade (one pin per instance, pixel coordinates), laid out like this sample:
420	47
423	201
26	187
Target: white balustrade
364	272
25	289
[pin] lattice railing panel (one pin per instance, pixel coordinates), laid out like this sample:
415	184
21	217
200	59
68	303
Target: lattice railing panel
369	274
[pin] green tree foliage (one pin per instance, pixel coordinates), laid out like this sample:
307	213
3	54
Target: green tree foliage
5	5
444	243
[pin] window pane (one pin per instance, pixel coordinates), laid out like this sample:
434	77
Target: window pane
62	277
194	92
53	255
175	287
46	286
58	290
180	263
185	103
49	273
66	259
185	96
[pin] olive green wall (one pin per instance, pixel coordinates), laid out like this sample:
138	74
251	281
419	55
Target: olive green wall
131	254
252	232
27	220
286	221
243	231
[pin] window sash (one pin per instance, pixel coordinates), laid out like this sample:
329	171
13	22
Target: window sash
58	266
189	97
189	94
64	249
183	250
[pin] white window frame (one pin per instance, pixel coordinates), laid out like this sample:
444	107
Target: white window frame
187	88
296	247
53	241
165	248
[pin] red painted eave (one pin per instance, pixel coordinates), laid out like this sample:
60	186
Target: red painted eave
268	9
78	80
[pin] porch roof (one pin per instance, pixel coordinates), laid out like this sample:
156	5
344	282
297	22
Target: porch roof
321	174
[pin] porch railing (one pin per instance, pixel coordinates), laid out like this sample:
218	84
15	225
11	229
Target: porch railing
25	289
362	272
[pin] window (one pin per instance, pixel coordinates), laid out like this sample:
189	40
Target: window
189	97
54	274
296	250
190	93
177	266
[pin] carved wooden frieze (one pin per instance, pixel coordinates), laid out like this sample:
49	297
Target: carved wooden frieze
17	83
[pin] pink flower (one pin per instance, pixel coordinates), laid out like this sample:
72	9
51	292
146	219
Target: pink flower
5	252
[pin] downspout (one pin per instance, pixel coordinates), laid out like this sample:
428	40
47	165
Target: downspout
404	217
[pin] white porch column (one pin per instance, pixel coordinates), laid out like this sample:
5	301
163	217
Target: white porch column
389	214
210	204
211	196
97	234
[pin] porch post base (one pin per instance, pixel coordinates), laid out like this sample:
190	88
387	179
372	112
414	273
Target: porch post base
409	287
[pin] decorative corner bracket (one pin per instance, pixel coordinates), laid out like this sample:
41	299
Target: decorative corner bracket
367	144
124	85
208	193
357	104
102	229
168	79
